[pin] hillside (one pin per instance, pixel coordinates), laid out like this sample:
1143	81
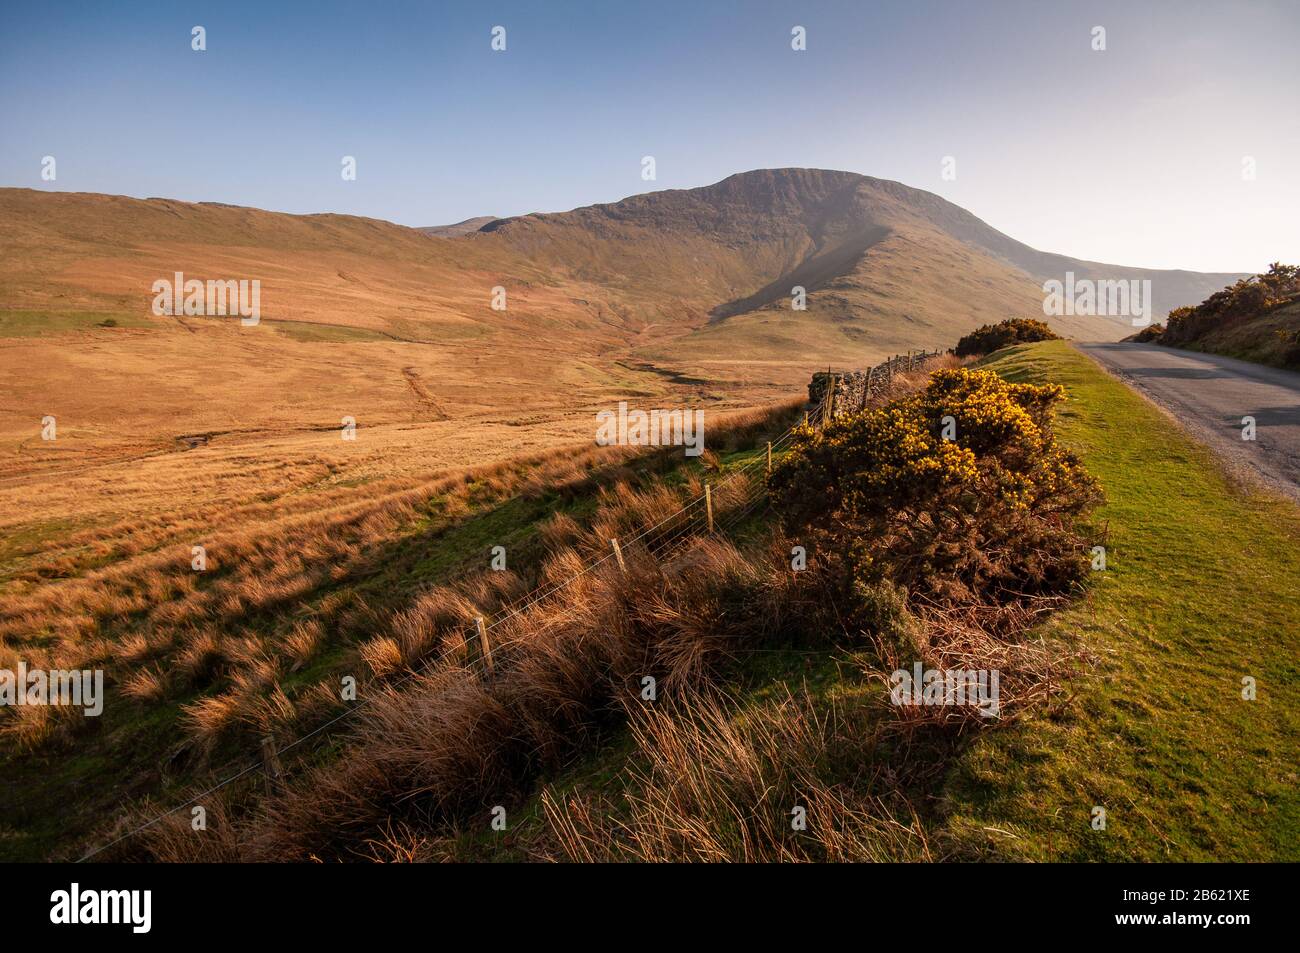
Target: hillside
678	256
669	297
1272	339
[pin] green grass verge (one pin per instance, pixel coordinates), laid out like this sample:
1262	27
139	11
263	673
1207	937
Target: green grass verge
31	324
325	333
1202	588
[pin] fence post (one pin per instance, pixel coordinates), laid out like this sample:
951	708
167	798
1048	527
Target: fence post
484	646
618	554
708	505
271	763
769	458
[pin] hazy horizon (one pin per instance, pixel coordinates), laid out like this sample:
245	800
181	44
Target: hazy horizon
1132	155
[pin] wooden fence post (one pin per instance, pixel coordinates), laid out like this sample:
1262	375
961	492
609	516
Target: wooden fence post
484	645
708	505
271	763
769	458
618	554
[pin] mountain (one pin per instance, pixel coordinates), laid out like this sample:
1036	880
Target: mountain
882	262
874	255
671	295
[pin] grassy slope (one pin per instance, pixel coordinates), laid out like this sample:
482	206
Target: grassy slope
39	810
911	291
1202	588
1263	340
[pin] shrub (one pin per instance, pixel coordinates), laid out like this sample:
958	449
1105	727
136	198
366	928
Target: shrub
1291	342
993	337
987	514
1152	332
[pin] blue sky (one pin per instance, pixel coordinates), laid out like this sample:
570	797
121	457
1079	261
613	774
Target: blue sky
1132	155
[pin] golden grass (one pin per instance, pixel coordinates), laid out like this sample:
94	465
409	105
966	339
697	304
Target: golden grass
558	663
712	784
265	606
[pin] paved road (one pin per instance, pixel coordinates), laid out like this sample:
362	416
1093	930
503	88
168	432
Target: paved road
1209	395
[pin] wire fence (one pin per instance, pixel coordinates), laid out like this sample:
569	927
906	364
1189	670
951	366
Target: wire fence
660	540
854	390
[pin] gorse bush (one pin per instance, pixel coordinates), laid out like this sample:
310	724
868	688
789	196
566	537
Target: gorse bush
993	337
1152	332
958	492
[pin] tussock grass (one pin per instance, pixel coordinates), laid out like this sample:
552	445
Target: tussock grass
347	583
448	742
708	786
